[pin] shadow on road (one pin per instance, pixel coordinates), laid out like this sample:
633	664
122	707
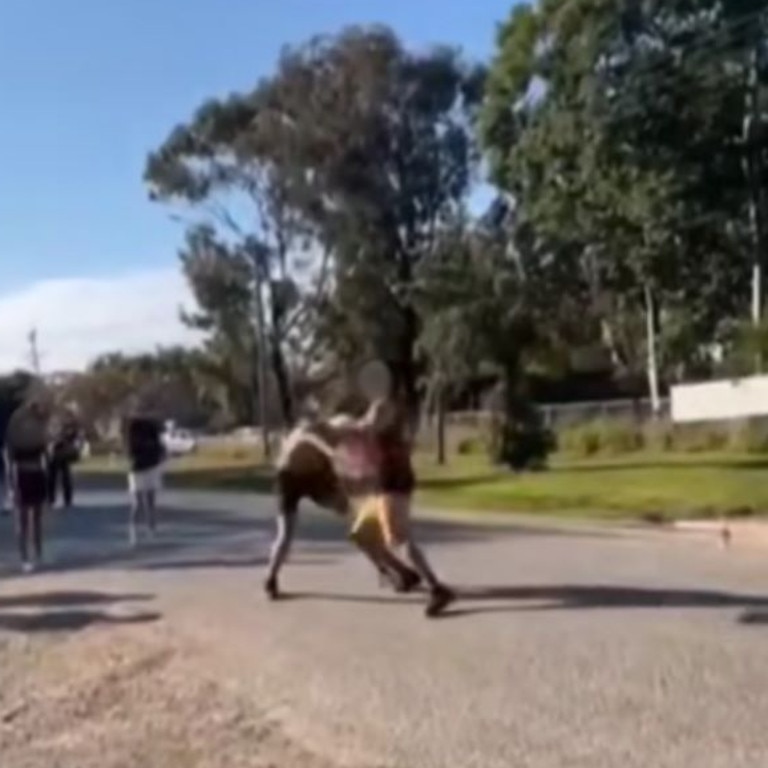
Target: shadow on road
568	597
753	618
68	621
224	534
600	596
66	611
60	599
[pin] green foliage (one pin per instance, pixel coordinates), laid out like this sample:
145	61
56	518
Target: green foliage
616	437
616	133
621	222
751	436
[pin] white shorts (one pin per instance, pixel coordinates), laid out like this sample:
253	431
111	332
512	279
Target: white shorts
145	480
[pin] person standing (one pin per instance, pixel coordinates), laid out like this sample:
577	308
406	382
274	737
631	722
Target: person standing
146	453
64	452
5	490
27	468
396	481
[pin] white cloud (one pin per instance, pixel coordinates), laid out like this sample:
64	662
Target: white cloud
80	318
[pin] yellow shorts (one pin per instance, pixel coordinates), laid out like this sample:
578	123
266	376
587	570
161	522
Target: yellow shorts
378	524
366	527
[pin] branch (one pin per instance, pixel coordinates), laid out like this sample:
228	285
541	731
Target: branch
303	310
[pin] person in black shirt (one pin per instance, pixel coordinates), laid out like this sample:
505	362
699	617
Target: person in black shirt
64	452
27	467
145	450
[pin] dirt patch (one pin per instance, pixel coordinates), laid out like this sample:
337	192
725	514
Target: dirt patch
128	697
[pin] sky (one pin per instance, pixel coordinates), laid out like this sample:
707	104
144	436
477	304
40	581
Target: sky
87	89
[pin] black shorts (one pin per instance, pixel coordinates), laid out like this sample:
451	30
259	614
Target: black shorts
31	487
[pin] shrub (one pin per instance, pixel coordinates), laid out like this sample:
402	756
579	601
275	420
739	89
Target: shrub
658	436
470	446
603	436
615	437
520	440
749	436
582	440
700	438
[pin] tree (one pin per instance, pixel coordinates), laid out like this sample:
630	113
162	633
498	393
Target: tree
381	156
221	277
487	309
178	381
617	135
251	246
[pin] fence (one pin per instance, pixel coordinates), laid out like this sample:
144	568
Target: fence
462	426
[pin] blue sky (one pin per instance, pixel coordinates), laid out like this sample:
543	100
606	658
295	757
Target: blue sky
88	87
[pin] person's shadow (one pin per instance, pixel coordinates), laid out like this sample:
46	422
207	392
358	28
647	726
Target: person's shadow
557	597
67	611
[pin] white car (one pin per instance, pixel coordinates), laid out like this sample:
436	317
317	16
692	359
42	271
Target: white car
179	442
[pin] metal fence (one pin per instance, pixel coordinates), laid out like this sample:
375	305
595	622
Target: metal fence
570	414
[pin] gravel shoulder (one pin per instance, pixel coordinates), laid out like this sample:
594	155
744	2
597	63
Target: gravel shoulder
125	696
569	648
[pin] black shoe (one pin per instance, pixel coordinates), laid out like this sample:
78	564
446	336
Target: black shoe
439	599
271	590
407	581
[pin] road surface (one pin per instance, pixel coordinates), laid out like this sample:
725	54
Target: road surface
571	648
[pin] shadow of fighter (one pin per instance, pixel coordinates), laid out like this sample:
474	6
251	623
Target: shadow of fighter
309	467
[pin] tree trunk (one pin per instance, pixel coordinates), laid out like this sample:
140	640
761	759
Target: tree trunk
262	368
440	424
280	370
652	366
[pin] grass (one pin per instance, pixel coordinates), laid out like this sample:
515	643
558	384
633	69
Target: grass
644	486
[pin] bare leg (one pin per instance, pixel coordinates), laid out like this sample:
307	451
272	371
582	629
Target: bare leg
36	514
22	533
367	535
137	508
396	523
151	510
281	547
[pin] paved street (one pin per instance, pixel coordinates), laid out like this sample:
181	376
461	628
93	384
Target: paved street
571	648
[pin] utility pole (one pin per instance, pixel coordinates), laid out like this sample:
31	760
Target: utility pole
752	172
752	166
34	353
262	355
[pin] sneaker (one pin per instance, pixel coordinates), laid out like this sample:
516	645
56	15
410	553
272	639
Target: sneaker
407	581
439	599
27	567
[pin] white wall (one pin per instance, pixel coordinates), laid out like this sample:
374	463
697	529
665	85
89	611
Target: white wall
720	400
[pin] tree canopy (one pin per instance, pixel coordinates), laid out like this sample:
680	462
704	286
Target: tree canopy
330	215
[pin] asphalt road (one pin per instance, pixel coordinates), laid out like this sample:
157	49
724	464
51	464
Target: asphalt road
570	648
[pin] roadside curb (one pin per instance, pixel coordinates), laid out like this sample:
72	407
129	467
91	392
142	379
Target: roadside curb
752	534
738	534
576	525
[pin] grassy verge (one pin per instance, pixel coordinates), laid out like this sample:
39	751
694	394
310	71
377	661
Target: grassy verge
639	486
